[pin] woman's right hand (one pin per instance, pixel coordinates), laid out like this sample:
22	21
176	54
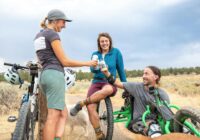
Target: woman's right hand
105	71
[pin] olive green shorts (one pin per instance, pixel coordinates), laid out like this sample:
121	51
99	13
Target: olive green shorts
52	83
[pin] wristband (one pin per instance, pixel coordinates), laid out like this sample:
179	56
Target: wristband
111	79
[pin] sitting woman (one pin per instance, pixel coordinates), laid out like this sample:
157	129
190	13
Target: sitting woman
100	88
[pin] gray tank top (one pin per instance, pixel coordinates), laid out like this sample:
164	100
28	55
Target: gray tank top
44	51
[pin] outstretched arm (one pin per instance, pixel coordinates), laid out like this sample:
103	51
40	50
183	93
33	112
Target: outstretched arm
111	79
66	61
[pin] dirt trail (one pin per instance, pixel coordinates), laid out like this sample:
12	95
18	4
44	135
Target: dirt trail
79	133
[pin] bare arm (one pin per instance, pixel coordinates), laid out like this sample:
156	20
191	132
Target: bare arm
65	61
117	83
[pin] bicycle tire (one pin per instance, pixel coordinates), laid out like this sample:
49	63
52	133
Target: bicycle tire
34	118
189	114
105	112
24	113
25	125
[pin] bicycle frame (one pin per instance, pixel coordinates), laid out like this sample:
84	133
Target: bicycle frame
30	100
123	115
34	87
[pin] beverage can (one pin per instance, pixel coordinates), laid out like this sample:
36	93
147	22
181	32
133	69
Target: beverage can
95	57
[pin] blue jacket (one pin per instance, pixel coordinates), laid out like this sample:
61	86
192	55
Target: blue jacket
114	61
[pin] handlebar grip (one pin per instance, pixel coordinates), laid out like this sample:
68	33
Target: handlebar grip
17	66
8	64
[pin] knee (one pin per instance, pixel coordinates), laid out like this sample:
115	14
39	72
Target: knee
53	114
108	89
64	114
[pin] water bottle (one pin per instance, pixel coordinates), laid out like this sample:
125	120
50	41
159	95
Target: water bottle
95	57
154	130
102	64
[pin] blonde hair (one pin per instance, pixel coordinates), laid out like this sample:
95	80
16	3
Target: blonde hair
43	23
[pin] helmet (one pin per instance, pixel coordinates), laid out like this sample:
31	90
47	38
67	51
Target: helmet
12	76
70	77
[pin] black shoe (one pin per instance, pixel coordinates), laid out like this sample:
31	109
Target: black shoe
75	109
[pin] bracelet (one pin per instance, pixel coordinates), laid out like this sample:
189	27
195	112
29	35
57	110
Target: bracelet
111	79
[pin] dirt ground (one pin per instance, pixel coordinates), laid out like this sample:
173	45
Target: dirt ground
79	133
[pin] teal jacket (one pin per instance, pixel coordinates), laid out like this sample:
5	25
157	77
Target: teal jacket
114	61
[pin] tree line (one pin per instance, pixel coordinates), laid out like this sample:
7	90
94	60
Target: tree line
80	75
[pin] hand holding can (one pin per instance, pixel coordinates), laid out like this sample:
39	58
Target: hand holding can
95	57
102	65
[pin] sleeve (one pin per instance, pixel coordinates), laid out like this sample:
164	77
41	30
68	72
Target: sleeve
164	95
120	67
130	87
53	36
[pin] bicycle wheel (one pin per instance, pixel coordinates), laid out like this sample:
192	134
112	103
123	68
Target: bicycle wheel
190	115
105	112
23	119
25	125
34	118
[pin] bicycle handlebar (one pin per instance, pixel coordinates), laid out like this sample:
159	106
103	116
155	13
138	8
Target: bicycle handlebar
16	66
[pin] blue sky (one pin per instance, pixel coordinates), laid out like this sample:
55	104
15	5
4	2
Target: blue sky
165	33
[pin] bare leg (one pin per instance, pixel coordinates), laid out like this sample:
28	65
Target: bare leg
93	115
60	127
96	97
101	94
49	129
94	119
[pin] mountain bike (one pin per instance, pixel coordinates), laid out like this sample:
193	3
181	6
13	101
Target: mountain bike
28	111
184	120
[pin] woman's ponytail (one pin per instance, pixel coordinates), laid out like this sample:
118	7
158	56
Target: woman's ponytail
43	23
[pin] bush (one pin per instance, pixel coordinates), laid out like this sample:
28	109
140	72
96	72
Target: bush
1	77
9	99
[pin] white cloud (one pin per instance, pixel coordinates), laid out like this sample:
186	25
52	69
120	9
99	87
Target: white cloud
134	16
2	67
170	2
94	10
189	55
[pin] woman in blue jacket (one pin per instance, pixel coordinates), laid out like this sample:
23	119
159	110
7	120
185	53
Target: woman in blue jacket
100	88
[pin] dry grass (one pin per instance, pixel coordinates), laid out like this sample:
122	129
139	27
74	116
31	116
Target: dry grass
186	85
80	87
184	90
10	96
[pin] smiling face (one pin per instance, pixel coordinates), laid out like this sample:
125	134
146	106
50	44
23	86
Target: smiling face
59	25
104	44
149	78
